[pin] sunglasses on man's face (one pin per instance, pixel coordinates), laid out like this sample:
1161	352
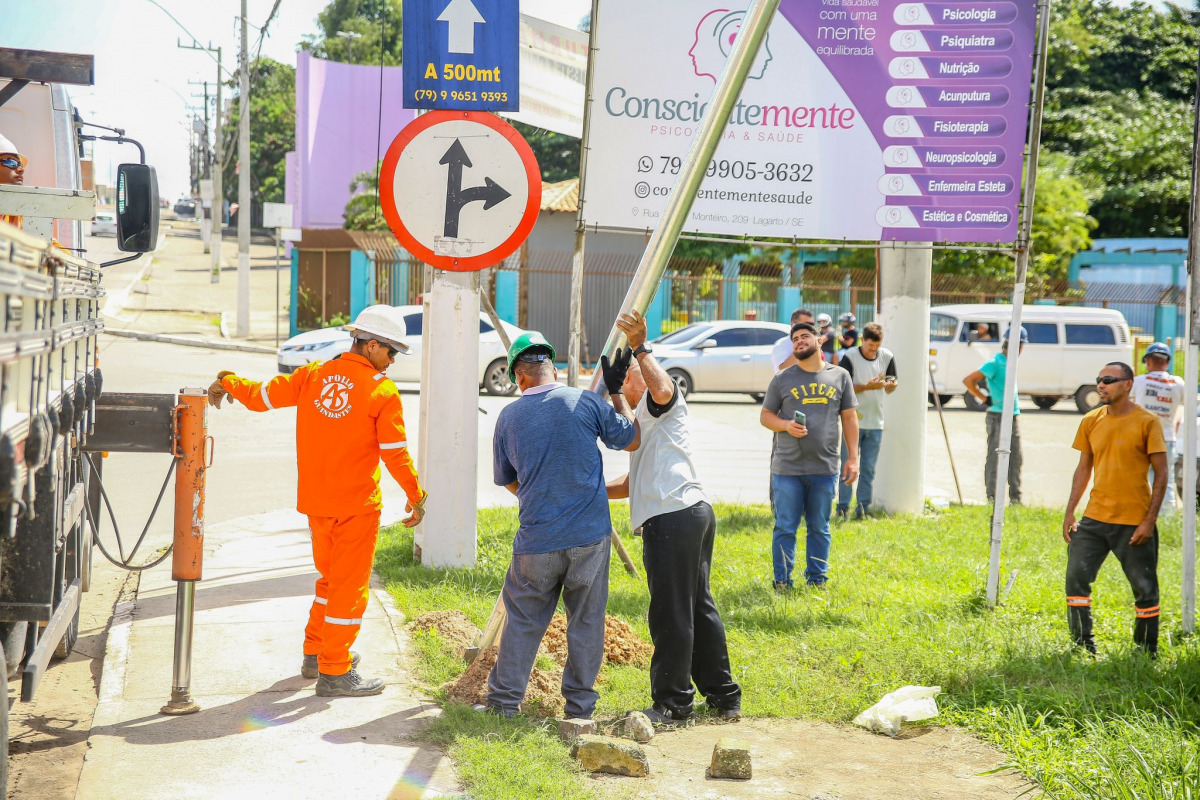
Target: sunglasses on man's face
10	162
1108	380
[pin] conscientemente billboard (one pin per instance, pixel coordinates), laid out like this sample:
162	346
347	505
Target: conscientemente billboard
859	119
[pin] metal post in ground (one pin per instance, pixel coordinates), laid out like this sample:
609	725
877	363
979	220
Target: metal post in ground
191	424
1024	242
245	213
278	306
1191	355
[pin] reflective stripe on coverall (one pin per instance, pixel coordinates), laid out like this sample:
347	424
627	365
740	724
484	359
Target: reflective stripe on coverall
348	417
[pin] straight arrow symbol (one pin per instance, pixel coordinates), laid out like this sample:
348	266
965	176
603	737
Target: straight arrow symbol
461	17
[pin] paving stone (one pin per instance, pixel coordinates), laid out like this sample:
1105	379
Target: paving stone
571	729
731	759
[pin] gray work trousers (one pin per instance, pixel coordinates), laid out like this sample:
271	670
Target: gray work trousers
531	591
1014	460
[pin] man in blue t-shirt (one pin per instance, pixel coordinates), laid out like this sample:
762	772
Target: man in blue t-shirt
994	374
544	452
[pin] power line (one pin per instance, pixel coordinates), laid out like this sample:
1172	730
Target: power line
189	33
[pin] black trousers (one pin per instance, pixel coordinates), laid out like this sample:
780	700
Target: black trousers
1090	545
688	635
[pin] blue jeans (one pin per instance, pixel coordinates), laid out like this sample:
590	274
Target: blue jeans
531	591
868	454
810	497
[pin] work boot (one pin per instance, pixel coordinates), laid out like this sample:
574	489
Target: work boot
843	513
782	587
308	667
349	685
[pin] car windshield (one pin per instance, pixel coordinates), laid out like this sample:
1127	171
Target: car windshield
942	327
684	334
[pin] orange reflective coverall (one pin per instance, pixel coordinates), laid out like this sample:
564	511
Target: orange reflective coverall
348	417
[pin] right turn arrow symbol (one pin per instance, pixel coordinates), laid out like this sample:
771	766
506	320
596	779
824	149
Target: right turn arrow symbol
491	193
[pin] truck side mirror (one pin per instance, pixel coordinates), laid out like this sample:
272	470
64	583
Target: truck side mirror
972	336
137	208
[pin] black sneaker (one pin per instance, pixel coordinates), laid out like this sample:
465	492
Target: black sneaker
731	714
308	667
663	717
349	685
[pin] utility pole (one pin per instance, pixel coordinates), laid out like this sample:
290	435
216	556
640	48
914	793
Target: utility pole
218	215
243	293
207	170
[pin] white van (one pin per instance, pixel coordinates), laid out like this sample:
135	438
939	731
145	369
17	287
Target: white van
1067	347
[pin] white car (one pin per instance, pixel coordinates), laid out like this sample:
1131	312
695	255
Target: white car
726	356
104	224
324	344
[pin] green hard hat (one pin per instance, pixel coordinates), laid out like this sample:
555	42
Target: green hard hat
526	341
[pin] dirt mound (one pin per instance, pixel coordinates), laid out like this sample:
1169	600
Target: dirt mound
621	644
542	698
452	627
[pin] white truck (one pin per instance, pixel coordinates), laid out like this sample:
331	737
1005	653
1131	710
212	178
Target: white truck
49	374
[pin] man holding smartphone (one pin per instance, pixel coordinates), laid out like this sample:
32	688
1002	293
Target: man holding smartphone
804	464
872	369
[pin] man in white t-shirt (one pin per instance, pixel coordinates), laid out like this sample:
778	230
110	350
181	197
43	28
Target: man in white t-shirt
678	528
1161	393
872	369
782	353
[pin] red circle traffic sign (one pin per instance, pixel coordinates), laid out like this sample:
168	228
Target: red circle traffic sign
461	190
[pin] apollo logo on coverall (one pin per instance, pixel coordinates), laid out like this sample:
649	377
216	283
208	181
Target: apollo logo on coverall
334	400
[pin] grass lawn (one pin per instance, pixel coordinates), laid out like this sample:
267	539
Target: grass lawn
905	606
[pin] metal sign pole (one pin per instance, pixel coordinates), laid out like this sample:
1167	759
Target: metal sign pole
691	173
1191	368
1024	237
278	308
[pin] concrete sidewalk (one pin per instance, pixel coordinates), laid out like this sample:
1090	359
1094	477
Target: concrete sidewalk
261	731
173	294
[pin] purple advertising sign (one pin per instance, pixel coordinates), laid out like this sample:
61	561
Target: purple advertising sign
860	119
965	61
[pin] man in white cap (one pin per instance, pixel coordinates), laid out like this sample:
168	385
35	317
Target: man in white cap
348	417
1162	394
12	173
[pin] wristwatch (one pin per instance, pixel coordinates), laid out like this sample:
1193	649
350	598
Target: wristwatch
642	348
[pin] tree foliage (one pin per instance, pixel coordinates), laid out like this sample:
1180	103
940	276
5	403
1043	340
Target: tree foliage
352	32
1120	82
363	211
272	131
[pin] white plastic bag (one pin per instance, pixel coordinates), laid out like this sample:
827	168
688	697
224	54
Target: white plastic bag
906	704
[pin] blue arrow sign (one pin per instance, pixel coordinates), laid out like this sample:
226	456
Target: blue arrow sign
461	55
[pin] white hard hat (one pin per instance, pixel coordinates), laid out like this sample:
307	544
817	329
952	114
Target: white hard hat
7	147
382	323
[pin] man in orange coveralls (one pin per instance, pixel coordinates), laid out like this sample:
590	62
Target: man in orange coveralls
348	416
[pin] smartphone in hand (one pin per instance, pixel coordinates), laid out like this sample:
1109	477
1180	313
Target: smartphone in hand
800	418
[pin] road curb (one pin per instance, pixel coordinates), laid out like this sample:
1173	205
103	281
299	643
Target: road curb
186	341
116	652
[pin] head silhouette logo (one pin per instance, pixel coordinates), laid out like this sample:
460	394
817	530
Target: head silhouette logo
715	35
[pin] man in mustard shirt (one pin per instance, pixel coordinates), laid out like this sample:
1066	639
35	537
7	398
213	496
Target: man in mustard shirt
1119	442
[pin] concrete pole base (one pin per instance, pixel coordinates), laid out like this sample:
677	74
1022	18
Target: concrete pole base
181	703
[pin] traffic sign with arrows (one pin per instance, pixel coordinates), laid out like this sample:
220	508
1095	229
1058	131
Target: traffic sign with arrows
460	190
461	54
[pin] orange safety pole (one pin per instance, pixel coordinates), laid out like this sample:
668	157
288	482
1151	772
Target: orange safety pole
191	429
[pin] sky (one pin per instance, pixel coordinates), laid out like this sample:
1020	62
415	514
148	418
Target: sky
143	77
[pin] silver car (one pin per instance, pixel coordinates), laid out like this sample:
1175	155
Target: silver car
728	356
325	343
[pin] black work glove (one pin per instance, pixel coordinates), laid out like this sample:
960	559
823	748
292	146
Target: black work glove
614	371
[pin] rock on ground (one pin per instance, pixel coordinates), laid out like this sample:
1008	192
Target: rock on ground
571	729
638	727
614	756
